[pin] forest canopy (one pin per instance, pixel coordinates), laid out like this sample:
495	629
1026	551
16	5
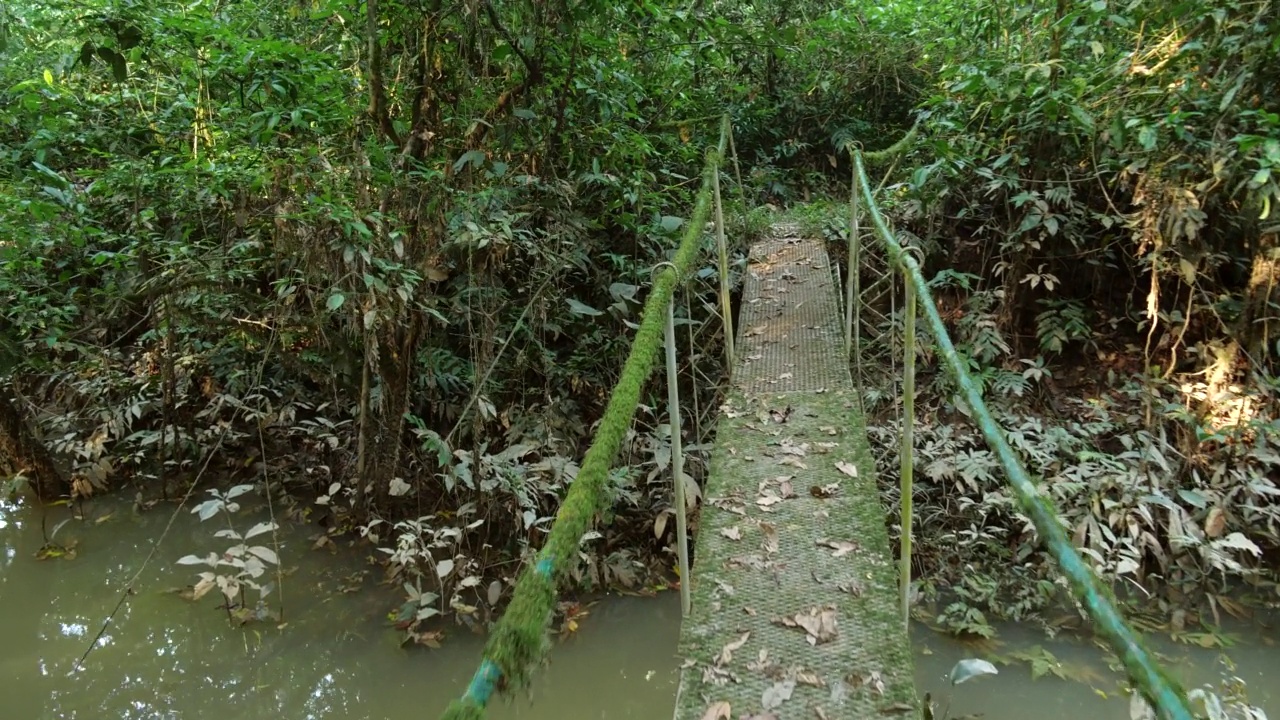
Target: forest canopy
391	252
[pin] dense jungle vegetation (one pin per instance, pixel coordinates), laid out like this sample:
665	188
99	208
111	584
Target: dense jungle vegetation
379	262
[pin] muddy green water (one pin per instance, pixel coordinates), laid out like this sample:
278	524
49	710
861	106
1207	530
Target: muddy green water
336	659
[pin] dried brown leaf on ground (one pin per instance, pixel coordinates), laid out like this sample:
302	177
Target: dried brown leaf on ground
818	623
847	468
770	533
841	547
810	678
872	681
789	448
718	711
793	461
823	492
726	653
777	694
733	533
767	499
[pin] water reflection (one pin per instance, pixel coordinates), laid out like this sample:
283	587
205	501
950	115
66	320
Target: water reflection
335	659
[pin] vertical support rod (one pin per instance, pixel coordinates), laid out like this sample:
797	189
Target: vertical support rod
677	459
737	174
908	444
726	303
853	292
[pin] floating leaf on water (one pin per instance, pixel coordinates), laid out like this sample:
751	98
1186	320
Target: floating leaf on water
970	668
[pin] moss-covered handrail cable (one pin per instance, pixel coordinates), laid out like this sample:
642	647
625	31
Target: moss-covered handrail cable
1162	692
519	640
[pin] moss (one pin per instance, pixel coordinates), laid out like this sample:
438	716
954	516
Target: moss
464	709
1166	695
519	641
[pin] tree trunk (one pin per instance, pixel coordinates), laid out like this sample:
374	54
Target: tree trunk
384	430
1254	327
20	452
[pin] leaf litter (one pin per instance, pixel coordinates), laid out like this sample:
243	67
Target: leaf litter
818	623
841	547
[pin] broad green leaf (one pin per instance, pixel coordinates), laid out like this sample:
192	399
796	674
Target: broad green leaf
266	554
193	560
335	301
671	223
262	527
472	158
579	308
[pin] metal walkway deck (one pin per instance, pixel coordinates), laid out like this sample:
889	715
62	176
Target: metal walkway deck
795	590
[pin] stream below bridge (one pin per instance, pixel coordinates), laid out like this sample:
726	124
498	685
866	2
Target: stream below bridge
336	658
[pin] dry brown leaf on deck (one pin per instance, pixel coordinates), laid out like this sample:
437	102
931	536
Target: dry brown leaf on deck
818	623
785	376
770	537
775	695
823	492
733	533
793	461
718	711
853	587
786	490
757	330
841	547
726	653
847	468
768	498
790	448
871	680
806	677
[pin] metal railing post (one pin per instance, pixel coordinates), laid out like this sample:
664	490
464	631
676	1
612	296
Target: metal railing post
908	446
677	459
726	303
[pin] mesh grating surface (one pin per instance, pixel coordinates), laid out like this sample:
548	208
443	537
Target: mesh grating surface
779	509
